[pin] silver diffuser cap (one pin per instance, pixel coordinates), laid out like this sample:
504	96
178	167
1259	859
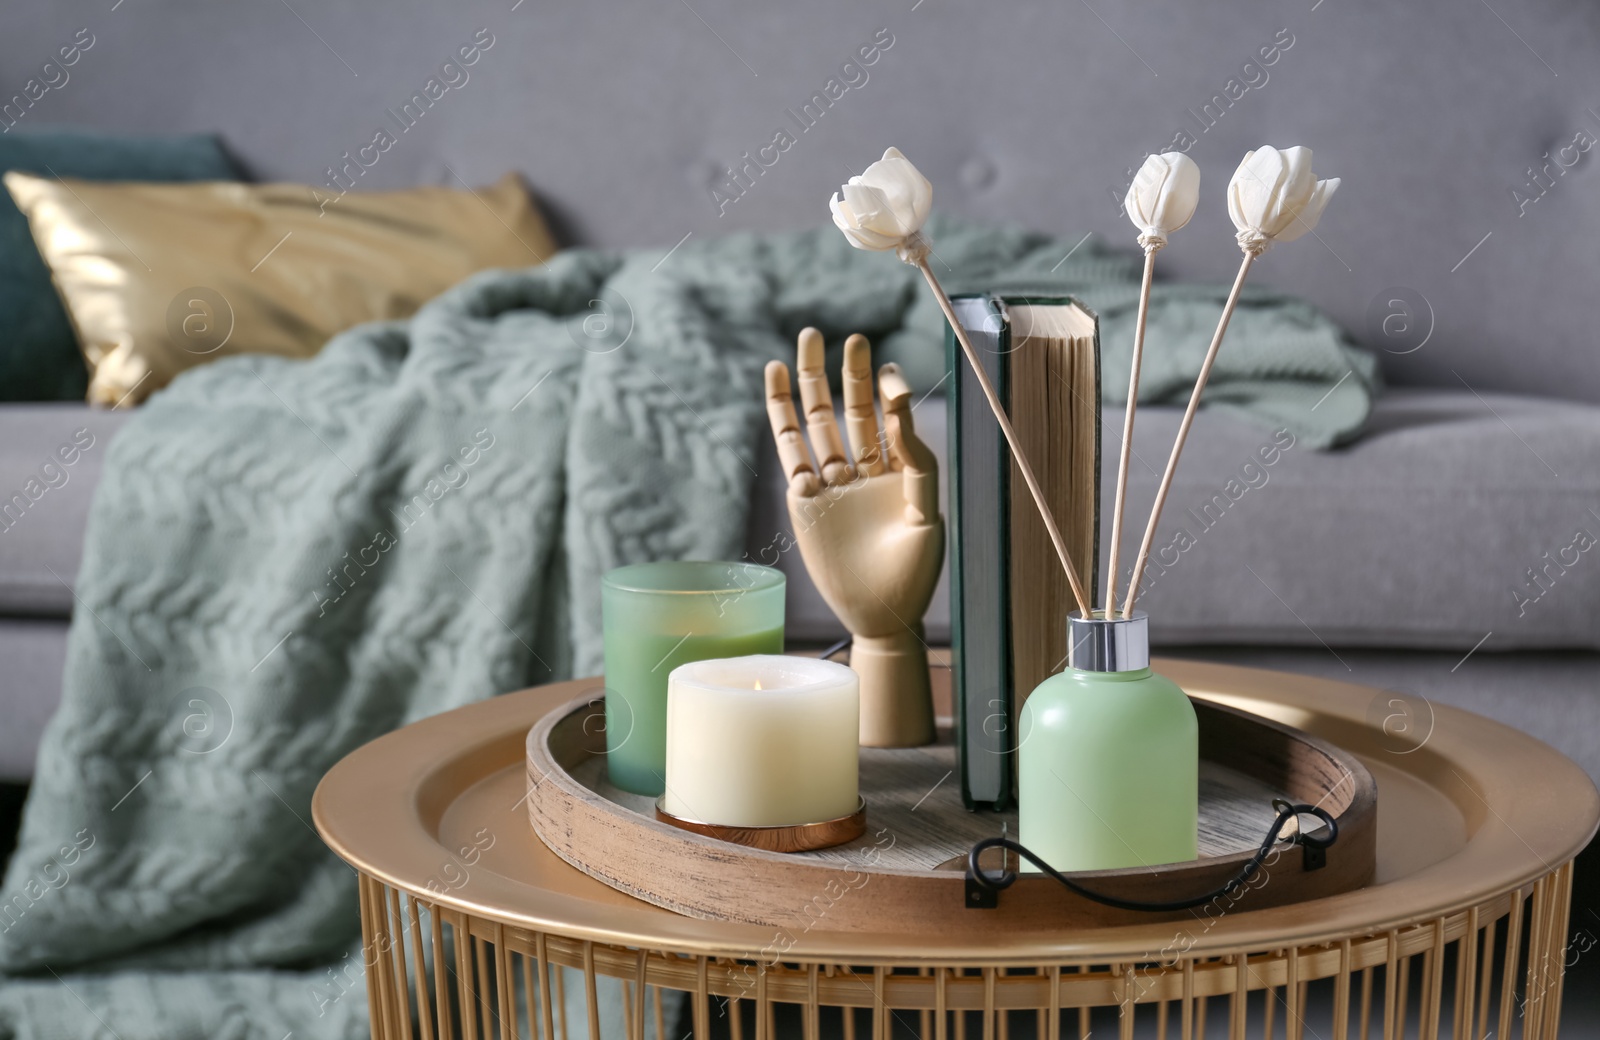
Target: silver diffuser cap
1102	644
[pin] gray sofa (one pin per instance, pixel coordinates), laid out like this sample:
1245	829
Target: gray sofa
1384	562
1461	246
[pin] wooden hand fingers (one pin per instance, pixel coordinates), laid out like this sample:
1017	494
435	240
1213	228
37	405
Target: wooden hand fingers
818	403
860	417
913	458
792	453
906	453
907	450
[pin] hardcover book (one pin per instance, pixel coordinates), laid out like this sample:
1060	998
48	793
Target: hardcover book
1009	596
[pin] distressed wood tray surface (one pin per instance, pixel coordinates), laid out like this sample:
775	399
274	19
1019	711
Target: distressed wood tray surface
905	872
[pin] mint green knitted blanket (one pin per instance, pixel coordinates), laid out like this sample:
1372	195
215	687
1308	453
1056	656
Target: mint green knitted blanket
286	559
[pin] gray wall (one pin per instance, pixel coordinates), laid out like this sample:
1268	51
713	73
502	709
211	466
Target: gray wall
623	114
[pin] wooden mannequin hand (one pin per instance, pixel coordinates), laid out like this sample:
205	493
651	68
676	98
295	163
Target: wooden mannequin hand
868	527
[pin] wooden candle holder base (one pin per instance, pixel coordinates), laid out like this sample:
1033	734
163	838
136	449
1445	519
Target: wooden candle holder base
798	837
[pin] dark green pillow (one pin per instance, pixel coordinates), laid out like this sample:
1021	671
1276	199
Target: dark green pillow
39	358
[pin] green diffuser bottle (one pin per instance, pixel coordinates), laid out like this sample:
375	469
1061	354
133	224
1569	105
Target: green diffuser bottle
1109	756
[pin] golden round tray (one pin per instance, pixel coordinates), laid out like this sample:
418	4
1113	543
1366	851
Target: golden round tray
913	857
469	918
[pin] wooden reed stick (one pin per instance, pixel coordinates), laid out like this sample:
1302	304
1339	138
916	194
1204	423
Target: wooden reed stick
1127	431
1183	433
1010	435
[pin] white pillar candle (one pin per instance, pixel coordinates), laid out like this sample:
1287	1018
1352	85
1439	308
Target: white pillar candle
762	741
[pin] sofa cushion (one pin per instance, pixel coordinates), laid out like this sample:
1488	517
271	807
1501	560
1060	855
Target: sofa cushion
1457	519
39	358
50	459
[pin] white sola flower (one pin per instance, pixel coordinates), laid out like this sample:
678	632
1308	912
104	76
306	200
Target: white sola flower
885	207
1162	197
1274	197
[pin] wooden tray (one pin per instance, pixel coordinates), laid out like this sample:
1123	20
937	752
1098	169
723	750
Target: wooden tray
905	872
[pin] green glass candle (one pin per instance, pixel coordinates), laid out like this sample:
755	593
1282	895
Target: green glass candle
658	616
1109	759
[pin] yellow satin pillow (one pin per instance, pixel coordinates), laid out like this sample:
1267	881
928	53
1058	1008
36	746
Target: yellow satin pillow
159	278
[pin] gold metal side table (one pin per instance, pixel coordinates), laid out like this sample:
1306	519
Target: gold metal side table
467	916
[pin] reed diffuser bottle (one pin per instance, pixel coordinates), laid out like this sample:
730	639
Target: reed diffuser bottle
1109	755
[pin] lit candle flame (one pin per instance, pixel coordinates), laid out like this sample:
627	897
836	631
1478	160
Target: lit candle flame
758	684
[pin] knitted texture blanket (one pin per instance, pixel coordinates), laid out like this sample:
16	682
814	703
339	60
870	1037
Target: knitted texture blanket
288	558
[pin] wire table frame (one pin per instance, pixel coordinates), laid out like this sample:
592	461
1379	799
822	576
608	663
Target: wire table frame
472	929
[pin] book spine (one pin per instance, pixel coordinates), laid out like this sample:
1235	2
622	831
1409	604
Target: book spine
959	668
978	567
